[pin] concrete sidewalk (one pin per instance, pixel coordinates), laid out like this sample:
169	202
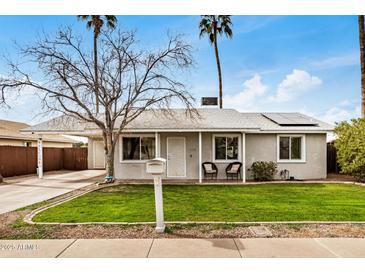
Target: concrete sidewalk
24	191
185	248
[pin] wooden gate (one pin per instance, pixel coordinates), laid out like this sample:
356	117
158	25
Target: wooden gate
15	161
75	158
52	158
332	165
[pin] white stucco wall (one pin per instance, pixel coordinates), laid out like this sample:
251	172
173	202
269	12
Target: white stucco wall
259	147
263	147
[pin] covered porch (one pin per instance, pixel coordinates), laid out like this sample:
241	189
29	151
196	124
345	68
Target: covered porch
185	153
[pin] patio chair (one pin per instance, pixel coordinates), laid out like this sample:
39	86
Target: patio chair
233	170
210	170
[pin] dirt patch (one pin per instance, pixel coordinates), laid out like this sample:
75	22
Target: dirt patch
340	177
318	230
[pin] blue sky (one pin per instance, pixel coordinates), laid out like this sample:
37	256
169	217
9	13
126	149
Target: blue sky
273	63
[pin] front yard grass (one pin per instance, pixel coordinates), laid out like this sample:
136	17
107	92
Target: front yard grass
269	202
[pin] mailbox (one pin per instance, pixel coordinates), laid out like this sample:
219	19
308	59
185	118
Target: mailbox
156	166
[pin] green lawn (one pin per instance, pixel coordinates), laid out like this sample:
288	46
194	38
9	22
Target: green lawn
271	202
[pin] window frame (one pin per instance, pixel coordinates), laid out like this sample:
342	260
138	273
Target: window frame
230	135
302	149
140	136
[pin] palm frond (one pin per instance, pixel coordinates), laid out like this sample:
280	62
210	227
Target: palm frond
97	21
89	24
211	38
228	31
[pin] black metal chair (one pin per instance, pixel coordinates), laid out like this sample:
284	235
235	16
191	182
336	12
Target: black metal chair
233	170
210	170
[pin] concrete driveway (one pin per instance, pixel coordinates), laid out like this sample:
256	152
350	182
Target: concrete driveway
20	192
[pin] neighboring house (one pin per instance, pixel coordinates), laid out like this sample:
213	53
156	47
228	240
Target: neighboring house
10	136
293	140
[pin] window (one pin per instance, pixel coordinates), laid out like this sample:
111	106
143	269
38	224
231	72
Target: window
226	148
138	148
291	148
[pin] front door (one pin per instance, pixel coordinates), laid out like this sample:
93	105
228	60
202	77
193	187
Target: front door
176	158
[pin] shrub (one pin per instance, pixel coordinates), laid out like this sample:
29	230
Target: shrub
264	171
350	146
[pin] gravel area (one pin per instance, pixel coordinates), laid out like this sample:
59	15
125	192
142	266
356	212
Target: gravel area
12	227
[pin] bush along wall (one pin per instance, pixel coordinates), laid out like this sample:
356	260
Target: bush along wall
350	145
264	171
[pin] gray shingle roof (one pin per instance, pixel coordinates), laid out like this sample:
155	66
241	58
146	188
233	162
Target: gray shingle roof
209	119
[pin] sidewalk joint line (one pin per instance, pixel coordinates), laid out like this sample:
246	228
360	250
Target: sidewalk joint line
66	248
326	247
149	250
239	252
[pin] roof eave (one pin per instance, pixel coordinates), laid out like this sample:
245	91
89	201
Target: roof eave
141	130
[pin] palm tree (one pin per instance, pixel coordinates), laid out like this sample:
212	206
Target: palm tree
362	61
97	22
212	25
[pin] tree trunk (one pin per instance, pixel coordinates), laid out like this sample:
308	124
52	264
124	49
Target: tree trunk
109	154
219	68
109	159
362	62
96	71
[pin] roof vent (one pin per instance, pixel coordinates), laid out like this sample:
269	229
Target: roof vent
209	101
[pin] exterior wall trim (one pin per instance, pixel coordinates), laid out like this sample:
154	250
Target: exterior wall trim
303	148
121	148
239	158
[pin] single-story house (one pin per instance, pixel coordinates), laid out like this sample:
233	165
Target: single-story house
296	142
10	135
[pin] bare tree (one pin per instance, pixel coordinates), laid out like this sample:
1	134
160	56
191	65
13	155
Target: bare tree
130	80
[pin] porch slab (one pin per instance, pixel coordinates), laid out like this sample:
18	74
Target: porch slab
345	247
282	248
33	248
194	248
108	248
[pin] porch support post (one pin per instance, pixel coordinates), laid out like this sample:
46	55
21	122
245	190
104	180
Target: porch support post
157	145
200	157
40	156
243	157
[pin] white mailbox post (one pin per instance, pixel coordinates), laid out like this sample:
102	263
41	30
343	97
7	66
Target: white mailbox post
157	167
